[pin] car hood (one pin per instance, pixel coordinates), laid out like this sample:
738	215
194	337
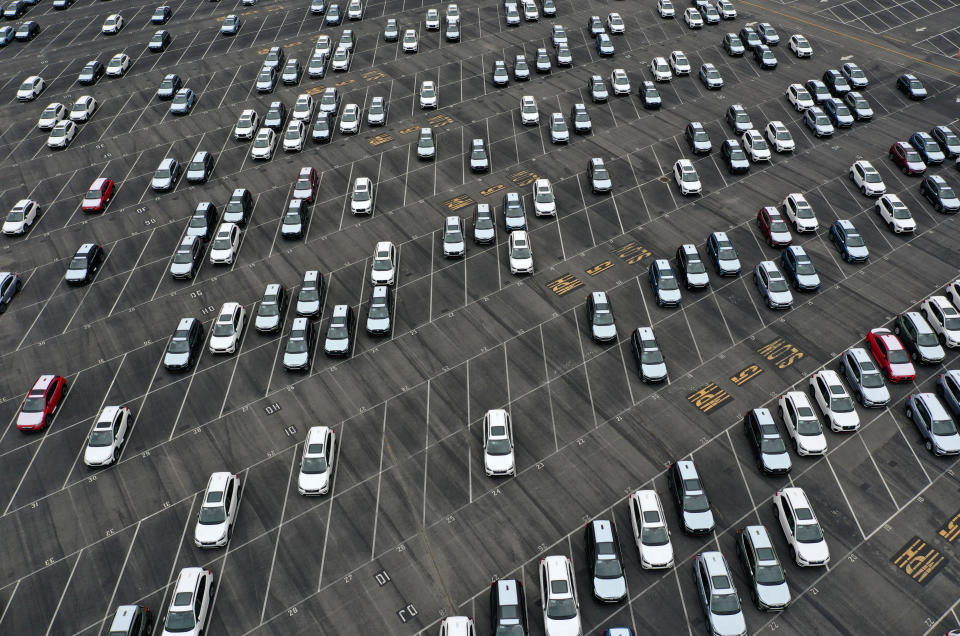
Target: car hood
499	463
30	419
731	265
698	521
654	372
13	227
266	322
522	263
916	165
814	551
858	252
906	224
312	482
484	235
808	281
176	359
308	308
604	332
698	280
670	295
209	533
813	443
568	627
160	183
878	395
561	134
545	208
181	268
947	443
381	278
777	461
728	624
610	589
336	346
378	325
603	183
846	419
934	352
515	222
702	145
454	248
76	274
658	554
904	369
220	342
296	359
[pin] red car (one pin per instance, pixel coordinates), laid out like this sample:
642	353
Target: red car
773	227
891	355
907	158
306	186
99	194
41	403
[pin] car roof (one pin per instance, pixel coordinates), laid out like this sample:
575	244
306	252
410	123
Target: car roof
687	469
43	382
599	296
123	618
716	564
919	321
758	536
186	582
797	251
944	304
830	376
340	311
859	354
647	499
662	264
645	333
845	224
557	567
218	482
602	530
763	416
796	495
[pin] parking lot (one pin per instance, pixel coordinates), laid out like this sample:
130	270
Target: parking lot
413	530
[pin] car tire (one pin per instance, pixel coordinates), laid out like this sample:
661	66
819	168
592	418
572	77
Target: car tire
938	207
796	447
863	189
939	391
943	342
914	356
813	394
929	445
850	174
909	413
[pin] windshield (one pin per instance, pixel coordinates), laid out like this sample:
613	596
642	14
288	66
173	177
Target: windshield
293	132
544	196
559	125
701	135
262	141
78	263
521	251
314	465
602	315
841	404
690	175
943	427
803	210
668	282
650	354
17	214
162	173
898	356
427	91
179	621
361	194
181	98
499	446
777	285
926	339
822	120
182	257
197	165
901	212
382	264
297	343
656	535
809	533
268	307
652	92
946	192
772	446
425	142
291	218
806	267
561	608
915	84
308	294
223	329
725	604
842	111
951	323
696	503
212	515
601	174
871	380
484	222
33	405
608	568
808	424
726	253
101	438
179	345
479	154
769	575
871	177
452	236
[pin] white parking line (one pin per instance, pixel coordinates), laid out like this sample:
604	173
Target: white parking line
63	594
123	567
426	455
176	557
16	586
243	338
276	546
683	603
583	358
840	486
376	507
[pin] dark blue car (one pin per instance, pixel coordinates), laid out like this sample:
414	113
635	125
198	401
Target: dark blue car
799	269
928	147
849	241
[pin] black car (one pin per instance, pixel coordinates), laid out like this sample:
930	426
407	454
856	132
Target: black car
27	31
204	221
766	442
836	82
239	207
605	561
508	614
649	95
92	72
85	264
322	130
379	311
947	139
169	86
14	9
160	41
161	15
734	156
910	86
733	45
764	56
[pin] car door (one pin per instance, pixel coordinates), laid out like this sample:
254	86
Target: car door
230	501
199	605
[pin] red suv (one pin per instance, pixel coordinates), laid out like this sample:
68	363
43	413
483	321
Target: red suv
907	158
306	186
41	403
99	194
891	355
773	227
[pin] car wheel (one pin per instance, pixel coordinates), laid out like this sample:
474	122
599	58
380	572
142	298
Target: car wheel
812	393
890	225
943	342
929	445
863	189
116	452
850	174
914	356
793	554
939	391
796	447
909	413
938	207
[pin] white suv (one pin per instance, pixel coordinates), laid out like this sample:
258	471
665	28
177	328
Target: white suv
800	212
802	424
361	199
650	531
107	436
316	464
779	137
218	512
225	336
544	202
226	242
529	114
620	82
834	401
498	458
660	69
944	319
558	593
189	609
808	548
867	179
895	214
754	145
264	145
384	269
247	125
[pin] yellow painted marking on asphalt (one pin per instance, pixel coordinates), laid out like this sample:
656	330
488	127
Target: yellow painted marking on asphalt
565	284
746	375
600	267
492	189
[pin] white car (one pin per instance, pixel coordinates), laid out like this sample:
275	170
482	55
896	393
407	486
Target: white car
118	65
303	108
453	14
800	46
228	328
779	137
944	319
660	69
754	145
21	217
802	424
294	136
650	531
341	59
665	8
432	21
350	120
799	211
679	63
615	23
112	24
800	97
324	45
834	401
53	113
384	268
544	202
190	603
520	253
558	594
895	214
726	10
410	44
693	18
559	133
361	197
107	436
620	82
498	456
529	113
317	461
225	244
686	177
247	125
31	88
808	548
530	12
355	10
264	144
866	177
62	134
83	108
428	94
218	511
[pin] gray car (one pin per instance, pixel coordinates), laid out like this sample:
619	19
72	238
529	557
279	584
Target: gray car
379	311
479	162
649	358
299	350
762	568
864	378
339	331
514	216
948	389
695	514
484	225
377	112
718	596
937	428
767	444
10	284
272	309
186	260
426	145
772	285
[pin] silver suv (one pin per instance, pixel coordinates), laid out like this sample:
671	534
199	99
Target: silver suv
718	596
863	377
937	428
